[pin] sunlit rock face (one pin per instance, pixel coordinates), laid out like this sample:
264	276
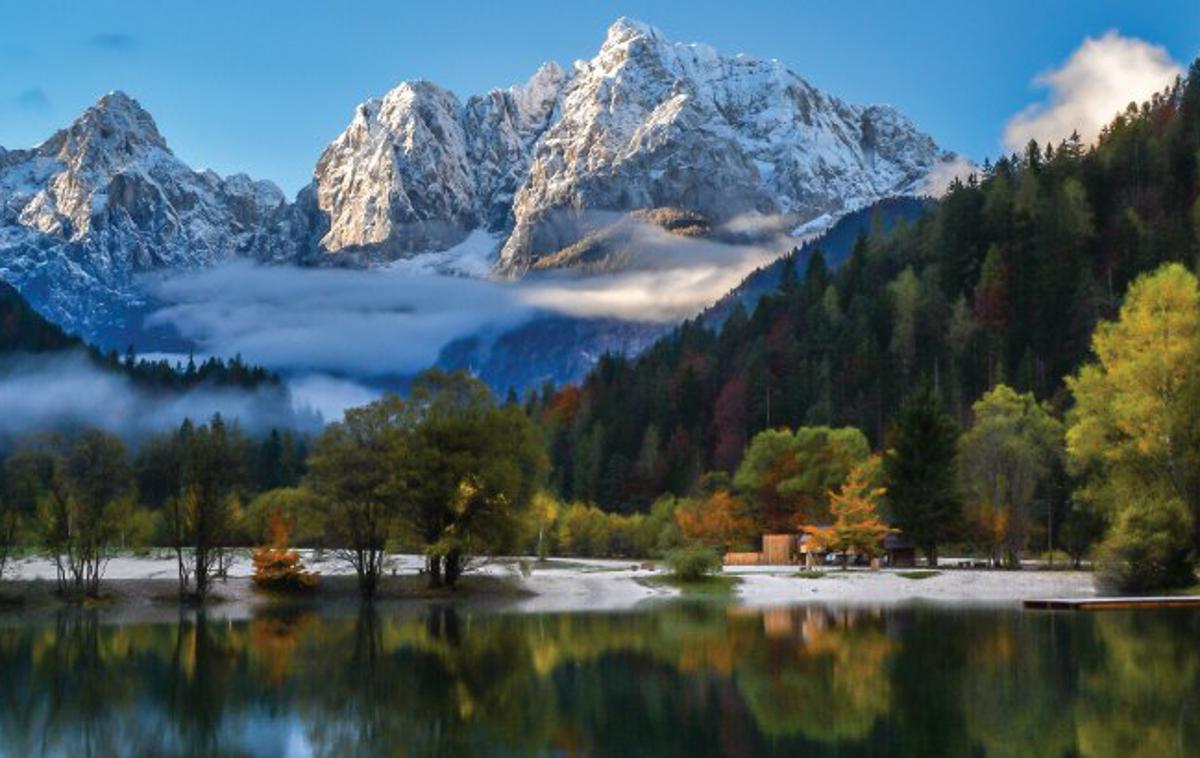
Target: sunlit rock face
653	123
105	199
549	174
646	123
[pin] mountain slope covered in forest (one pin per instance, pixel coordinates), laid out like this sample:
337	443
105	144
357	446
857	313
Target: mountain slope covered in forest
1003	281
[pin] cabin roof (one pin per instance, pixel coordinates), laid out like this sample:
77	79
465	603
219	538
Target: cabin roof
898	542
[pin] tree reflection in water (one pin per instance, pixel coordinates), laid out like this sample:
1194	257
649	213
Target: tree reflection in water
677	679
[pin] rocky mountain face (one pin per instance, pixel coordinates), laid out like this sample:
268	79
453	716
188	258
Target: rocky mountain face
416	170
647	123
651	123
555	170
105	198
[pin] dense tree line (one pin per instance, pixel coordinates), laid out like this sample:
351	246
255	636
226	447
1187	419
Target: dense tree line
448	471
24	331
79	498
1002	282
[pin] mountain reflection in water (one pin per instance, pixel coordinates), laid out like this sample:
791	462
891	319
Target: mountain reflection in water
675	679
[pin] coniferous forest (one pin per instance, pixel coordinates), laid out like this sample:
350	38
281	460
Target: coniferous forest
1003	281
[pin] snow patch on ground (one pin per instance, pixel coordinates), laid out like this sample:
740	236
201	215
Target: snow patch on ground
594	584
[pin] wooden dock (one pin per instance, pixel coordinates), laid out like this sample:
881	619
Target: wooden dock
1114	603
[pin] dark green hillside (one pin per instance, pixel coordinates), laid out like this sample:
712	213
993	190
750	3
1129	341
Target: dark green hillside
24	331
1003	281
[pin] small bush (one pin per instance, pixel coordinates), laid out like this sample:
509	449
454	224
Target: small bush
1148	549
278	568
690	564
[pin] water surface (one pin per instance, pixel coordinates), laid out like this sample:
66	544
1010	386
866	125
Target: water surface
677	679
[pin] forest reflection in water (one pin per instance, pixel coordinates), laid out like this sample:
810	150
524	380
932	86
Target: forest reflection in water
675	679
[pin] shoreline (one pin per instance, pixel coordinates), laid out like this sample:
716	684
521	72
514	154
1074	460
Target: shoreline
145	587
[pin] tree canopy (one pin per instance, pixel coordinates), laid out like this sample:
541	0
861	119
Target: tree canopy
1002	281
787	475
1013	447
1132	432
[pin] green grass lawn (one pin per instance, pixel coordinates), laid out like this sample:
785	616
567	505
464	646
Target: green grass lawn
809	575
917	574
716	584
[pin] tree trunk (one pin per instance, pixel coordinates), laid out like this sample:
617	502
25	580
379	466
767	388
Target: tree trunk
368	580
931	556
434	565
1011	561
453	568
201	582
181	565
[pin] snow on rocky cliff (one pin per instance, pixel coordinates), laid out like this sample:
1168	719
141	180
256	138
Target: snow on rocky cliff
647	123
105	199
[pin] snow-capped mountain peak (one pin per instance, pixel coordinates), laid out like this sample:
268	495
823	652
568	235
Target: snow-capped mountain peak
650	123
105	198
645	124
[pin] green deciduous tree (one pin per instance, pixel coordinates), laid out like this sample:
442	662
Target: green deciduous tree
10	526
201	519
1010	450
1134	433
470	469
448	467
353	469
83	508
786	476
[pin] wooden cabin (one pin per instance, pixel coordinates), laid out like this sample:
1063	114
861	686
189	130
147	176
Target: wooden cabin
901	552
780	549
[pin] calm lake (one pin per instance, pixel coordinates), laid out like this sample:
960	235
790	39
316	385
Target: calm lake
678	679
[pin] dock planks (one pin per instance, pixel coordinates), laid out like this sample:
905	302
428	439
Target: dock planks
1114	603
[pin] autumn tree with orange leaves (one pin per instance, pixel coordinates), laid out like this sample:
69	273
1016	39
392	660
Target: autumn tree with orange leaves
857	524
277	567
719	520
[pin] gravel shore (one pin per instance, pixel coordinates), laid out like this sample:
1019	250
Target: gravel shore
146	585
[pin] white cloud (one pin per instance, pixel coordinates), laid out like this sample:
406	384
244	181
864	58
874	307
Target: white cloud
63	390
939	178
364	323
395	320
328	395
1098	81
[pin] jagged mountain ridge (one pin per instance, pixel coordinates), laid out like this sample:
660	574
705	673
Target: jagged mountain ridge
647	123
651	123
105	198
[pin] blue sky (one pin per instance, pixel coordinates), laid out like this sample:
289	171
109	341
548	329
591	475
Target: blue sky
263	86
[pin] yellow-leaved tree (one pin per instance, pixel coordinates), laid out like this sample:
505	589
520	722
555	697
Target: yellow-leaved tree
857	525
1133	431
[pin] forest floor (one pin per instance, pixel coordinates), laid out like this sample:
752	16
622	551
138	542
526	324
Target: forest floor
145	587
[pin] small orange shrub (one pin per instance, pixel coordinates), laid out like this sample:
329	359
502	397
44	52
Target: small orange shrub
278	568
